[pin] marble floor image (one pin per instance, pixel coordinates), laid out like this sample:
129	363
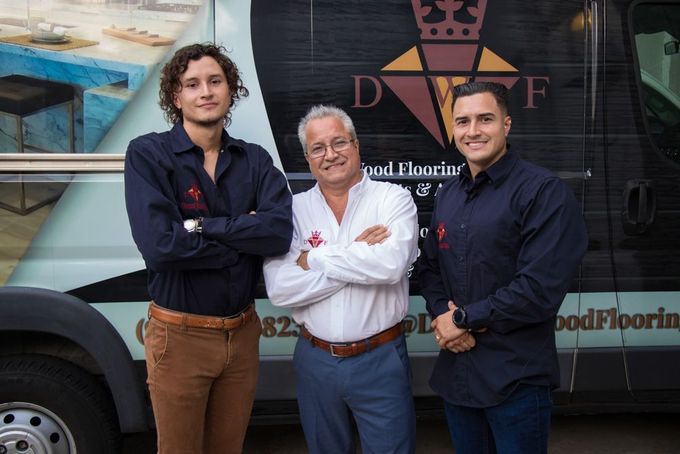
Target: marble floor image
17	231
105	71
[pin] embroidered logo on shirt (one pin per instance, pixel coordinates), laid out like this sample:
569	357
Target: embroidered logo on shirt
441	236
316	240
193	197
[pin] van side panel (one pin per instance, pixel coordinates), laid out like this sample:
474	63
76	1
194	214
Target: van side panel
643	190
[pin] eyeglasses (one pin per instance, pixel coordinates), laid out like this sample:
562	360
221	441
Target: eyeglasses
338	145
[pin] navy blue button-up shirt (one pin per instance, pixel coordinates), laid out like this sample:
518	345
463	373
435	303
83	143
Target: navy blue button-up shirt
505	246
213	273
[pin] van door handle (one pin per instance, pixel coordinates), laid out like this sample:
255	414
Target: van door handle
639	206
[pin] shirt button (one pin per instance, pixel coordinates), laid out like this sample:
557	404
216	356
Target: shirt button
460	258
462	226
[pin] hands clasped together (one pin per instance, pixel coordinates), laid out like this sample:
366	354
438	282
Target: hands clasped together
449	336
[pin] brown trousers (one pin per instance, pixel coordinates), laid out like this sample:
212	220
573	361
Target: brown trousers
202	385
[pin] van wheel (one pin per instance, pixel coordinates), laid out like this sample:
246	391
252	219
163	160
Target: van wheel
47	405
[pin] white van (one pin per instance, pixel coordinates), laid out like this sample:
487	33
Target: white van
595	96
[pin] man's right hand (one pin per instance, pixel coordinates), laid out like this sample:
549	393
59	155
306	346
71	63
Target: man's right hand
464	343
374	235
302	260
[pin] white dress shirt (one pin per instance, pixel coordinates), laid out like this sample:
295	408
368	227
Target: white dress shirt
352	290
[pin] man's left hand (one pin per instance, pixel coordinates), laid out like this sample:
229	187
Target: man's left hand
464	343
373	235
444	329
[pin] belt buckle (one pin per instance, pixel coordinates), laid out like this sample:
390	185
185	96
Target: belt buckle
336	355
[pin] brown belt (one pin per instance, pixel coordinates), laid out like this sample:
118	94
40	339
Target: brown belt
344	350
201	321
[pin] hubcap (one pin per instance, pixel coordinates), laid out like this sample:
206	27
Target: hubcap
31	429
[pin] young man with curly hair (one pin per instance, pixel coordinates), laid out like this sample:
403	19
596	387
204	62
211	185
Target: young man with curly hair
204	209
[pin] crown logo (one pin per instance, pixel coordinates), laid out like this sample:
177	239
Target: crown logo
315	240
450	21
441	232
192	199
194	192
441	236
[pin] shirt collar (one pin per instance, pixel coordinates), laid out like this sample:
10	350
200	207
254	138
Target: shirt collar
359	187
498	171
181	142
354	190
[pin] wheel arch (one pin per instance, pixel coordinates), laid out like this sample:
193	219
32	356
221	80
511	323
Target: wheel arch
46	311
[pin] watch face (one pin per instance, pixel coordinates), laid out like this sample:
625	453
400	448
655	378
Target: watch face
190	225
458	317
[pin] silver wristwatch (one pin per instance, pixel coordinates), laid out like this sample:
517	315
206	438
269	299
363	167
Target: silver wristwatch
194	225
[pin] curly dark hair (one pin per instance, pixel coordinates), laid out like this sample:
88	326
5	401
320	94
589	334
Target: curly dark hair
173	70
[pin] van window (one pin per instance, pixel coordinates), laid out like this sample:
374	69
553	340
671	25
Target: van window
656	29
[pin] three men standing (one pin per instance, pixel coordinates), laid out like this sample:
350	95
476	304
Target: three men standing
345	279
505	240
204	209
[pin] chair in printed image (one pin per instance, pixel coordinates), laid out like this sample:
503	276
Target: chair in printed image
23	96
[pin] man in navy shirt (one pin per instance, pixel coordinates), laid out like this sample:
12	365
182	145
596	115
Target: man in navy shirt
204	209
505	240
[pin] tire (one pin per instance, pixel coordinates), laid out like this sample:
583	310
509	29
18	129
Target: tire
53	407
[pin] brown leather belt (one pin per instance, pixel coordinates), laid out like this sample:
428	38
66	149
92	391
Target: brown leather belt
347	349
201	321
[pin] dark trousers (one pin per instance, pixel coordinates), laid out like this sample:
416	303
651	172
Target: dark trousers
518	425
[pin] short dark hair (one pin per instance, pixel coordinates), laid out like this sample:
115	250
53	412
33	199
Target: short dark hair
173	70
499	92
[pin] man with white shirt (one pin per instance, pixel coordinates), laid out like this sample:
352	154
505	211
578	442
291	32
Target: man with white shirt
345	279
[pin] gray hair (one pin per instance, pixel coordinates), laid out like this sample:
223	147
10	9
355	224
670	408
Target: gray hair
323	111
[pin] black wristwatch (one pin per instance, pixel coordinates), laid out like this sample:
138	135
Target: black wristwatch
460	318
194	225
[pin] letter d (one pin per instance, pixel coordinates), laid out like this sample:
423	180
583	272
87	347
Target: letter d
357	91
588	320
